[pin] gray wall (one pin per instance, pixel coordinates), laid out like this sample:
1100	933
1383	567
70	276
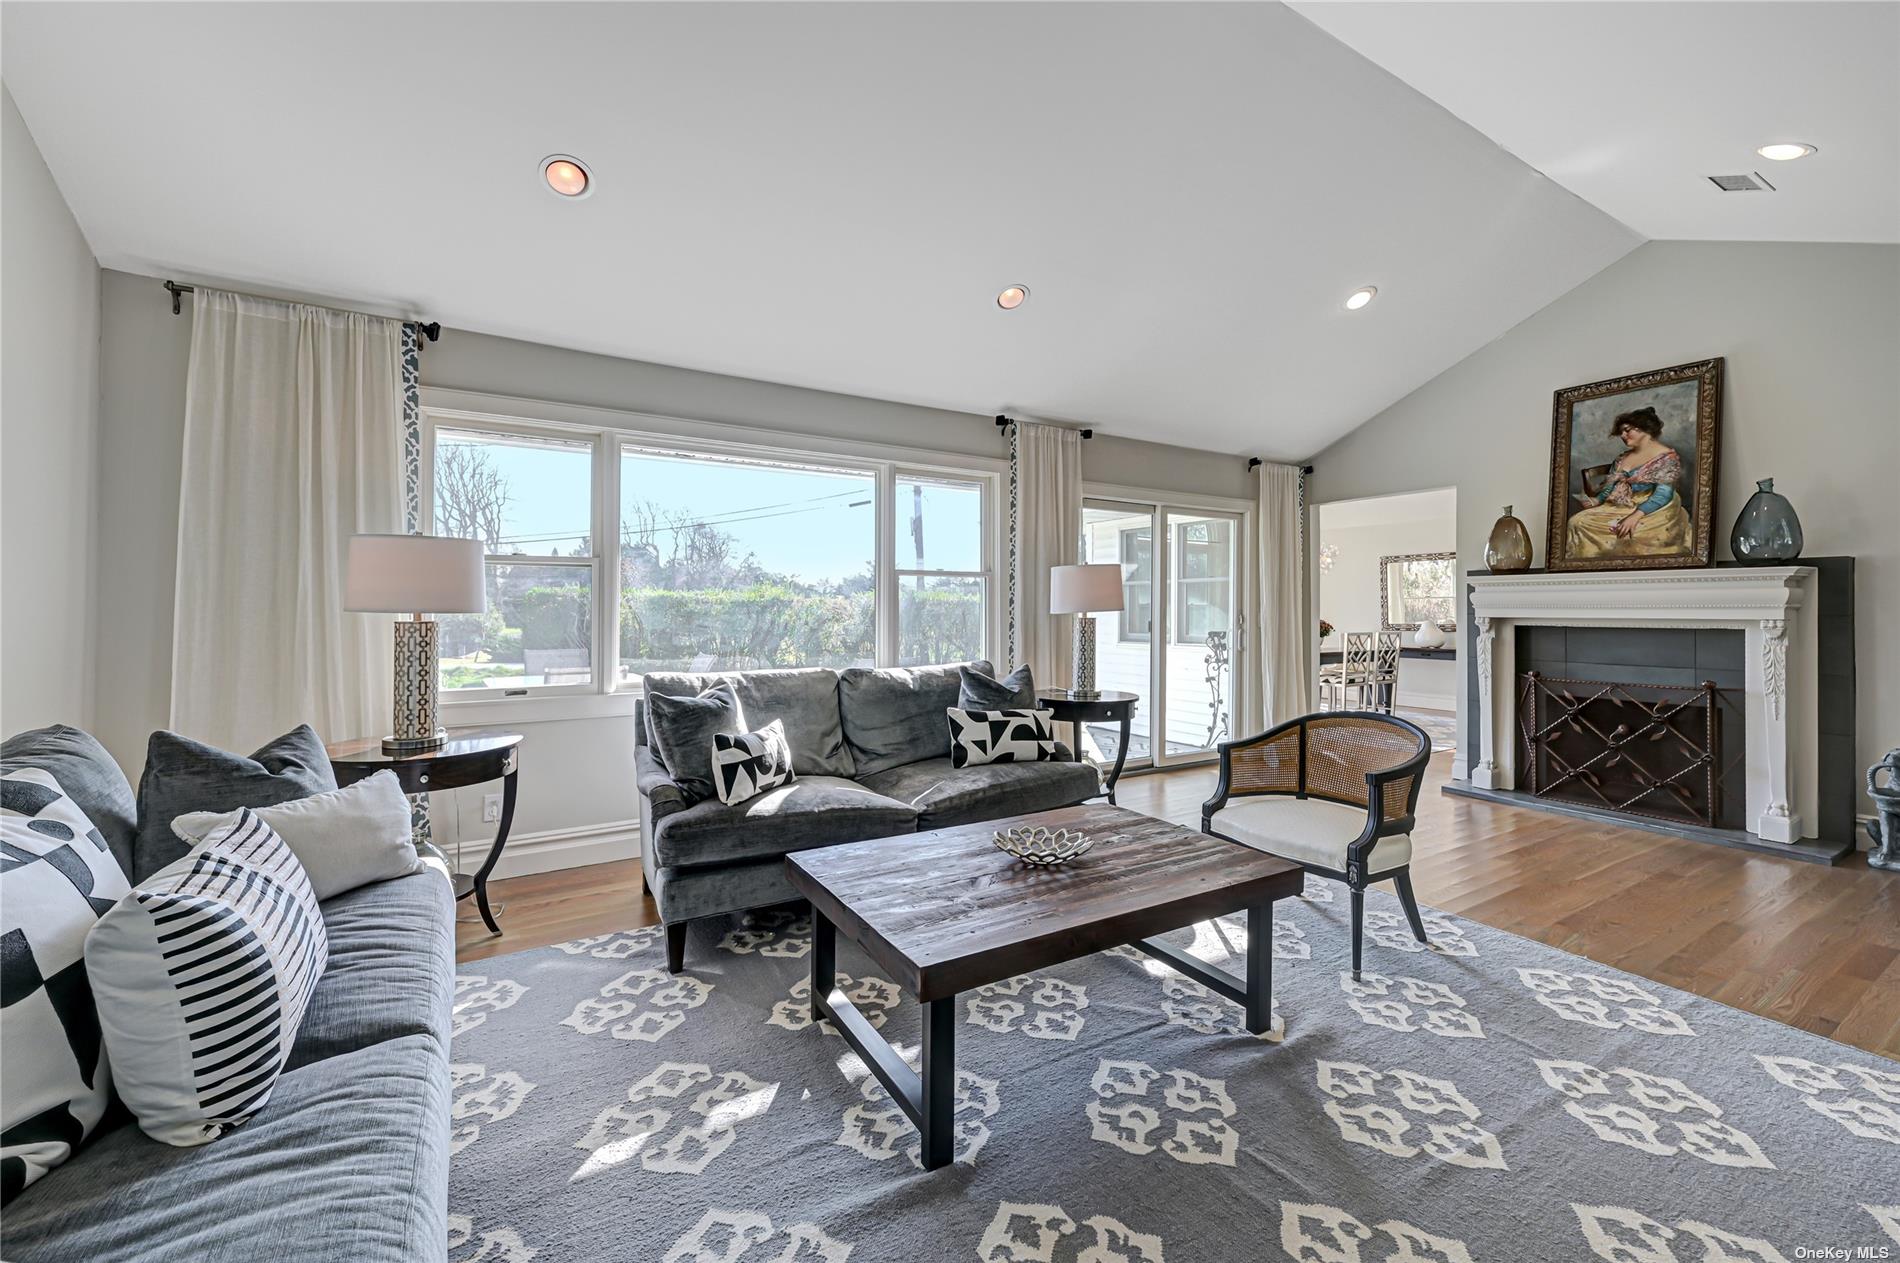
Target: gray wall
1811	334
575	772
49	443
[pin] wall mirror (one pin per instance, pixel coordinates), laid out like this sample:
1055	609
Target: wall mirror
1416	588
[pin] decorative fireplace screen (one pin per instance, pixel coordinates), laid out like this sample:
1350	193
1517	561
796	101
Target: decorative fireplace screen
1652	750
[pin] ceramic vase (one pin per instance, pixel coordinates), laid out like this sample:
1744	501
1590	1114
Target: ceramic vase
1768	530
1429	636
1509	548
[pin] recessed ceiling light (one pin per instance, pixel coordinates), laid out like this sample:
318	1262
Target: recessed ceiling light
1013	297
1787	152
1360	297
566	176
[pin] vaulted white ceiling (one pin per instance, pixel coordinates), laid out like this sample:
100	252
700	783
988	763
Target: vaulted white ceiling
1633	106
831	195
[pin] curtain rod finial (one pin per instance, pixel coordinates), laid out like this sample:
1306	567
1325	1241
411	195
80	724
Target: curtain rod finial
1253	462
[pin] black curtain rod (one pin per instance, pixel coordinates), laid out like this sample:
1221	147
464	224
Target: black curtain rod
1002	421
432	330
1254	462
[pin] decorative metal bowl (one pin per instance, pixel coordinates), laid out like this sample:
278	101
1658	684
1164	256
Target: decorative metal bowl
1044	848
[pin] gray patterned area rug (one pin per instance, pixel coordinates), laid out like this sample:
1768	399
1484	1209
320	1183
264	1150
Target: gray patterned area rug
1491	1100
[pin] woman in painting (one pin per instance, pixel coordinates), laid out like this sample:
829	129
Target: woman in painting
1638	512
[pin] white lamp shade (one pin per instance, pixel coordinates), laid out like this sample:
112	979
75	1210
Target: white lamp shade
1085	589
414	574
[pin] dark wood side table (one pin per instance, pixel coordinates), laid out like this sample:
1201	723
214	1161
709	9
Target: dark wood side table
1076	711
464	760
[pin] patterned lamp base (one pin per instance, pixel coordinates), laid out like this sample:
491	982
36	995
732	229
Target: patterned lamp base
1084	689
416	697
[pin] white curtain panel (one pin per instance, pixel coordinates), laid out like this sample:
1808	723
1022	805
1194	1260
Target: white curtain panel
1279	686
1049	533
293	443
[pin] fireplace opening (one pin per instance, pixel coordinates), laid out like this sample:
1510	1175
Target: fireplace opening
1665	751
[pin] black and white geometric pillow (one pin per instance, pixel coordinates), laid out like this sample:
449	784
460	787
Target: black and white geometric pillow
57	878
202	975
1001	736
747	764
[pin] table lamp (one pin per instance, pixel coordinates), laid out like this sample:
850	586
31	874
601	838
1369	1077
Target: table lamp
404	574
1082	591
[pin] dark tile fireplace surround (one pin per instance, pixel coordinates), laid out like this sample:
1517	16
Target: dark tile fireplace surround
1687	657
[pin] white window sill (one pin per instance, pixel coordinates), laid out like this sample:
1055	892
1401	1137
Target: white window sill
498	712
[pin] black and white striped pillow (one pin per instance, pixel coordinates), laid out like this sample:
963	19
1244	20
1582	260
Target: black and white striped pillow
202	975
1001	736
746	764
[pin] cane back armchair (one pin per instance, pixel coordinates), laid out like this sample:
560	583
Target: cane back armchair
1336	793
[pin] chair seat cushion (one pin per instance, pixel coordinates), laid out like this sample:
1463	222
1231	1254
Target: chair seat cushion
944	795
1307	831
811	811
348	1163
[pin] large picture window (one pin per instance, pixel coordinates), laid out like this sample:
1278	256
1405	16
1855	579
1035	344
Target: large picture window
733	565
610	556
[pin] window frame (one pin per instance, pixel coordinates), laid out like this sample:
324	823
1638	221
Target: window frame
610	431
887	517
593	563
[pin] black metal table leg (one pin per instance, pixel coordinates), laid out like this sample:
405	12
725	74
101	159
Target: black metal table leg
824	962
938	1124
1121	751
494	852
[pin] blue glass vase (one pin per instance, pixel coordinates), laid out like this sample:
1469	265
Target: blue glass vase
1768	530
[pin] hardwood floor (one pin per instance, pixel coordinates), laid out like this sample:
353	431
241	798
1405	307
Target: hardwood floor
1815	947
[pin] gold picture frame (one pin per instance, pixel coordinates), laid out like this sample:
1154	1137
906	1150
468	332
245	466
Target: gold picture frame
1633	465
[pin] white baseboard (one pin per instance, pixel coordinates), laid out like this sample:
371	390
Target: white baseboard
1409	700
550	849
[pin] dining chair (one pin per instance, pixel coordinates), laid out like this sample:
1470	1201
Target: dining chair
1353	672
1384	676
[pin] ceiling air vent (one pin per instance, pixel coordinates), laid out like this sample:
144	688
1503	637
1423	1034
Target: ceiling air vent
1741	184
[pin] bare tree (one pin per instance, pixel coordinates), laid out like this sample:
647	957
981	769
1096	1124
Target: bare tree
470	495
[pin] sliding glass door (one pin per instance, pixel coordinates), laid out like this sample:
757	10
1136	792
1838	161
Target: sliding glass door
1175	637
1196	702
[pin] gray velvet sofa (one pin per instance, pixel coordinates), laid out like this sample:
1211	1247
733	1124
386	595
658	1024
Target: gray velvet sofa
347	1163
872	751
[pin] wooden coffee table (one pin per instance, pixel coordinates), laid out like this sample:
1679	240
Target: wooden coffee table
946	911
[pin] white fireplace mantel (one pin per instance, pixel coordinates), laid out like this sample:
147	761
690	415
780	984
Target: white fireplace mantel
1775	608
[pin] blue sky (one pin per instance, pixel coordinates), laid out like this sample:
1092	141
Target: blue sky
817	525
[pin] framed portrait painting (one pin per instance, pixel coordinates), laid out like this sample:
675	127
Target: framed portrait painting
1632	470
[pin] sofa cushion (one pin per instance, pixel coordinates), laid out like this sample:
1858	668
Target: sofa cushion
347	1164
89	776
391	971
944	795
60	876
979	690
202	975
344	838
804	699
182	776
895	715
811	811
684	726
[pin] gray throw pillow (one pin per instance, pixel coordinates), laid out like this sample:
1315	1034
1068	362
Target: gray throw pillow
894	715
88	775
344	838
981	691
183	776
683	731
